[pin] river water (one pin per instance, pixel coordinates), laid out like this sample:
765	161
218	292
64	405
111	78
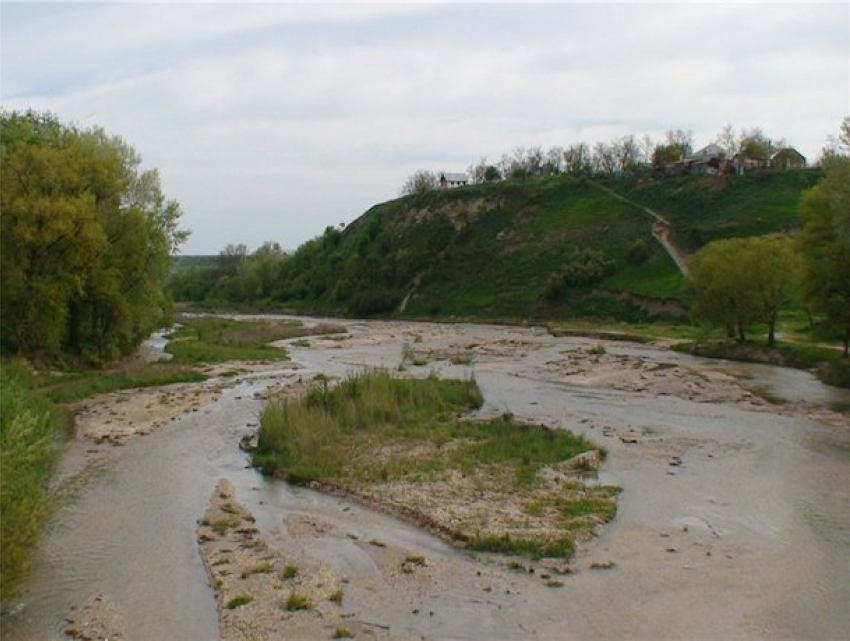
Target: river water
748	538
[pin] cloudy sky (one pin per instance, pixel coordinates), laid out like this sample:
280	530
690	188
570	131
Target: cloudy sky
272	121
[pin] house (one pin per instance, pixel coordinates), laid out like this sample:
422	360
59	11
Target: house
787	158
711	159
711	150
743	163
450	181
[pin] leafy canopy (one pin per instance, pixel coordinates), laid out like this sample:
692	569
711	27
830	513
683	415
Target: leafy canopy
86	240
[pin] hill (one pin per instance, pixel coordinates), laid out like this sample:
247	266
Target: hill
534	248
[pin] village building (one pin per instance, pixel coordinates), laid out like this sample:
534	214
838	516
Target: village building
451	181
711	160
787	158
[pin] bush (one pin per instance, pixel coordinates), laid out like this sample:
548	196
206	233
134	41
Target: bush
583	267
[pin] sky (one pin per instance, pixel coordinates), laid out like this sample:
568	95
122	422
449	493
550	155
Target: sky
272	121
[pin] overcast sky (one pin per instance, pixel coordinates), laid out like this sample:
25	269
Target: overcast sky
273	121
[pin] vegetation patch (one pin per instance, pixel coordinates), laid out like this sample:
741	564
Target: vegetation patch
32	430
73	386
207	339
296	602
238	601
828	364
402	445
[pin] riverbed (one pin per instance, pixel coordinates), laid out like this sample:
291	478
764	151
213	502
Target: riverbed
733	523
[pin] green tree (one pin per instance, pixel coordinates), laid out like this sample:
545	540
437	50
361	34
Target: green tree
825	245
86	240
743	280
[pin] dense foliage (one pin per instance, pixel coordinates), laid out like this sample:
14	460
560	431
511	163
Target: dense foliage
31	434
745	280
86	241
825	246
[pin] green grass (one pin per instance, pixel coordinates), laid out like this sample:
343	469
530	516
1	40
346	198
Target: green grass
239	601
634	332
535	549
207	339
69	387
309	440
827	363
32	431
373	429
297	602
488	252
289	572
702	209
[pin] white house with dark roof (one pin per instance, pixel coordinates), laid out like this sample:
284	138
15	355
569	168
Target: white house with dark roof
450	181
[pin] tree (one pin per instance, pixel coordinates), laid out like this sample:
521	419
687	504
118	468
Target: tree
824	241
837	146
604	159
86	240
578	160
421	181
482	172
743	280
728	140
756	144
681	140
627	153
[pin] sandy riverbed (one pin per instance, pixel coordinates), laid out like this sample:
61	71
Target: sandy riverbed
733	523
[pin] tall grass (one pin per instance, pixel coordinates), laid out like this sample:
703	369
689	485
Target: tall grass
328	435
312	438
32	431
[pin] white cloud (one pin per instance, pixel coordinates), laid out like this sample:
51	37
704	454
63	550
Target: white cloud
273	121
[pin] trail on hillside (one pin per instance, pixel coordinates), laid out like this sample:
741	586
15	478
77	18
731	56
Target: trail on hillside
660	231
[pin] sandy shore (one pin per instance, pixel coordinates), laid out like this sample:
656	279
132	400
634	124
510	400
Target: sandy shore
260	593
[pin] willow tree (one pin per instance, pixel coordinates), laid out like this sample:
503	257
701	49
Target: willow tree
86	238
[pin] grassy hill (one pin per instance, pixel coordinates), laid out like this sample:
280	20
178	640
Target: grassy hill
536	248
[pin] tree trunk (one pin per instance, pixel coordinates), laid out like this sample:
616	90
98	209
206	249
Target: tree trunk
771	329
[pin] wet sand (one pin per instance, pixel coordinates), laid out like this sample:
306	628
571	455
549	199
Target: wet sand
733	522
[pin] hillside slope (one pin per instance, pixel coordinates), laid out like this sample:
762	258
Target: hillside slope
538	248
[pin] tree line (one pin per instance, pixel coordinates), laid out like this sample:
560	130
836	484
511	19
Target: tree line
86	239
626	155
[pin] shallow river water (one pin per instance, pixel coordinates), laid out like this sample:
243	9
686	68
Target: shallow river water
749	537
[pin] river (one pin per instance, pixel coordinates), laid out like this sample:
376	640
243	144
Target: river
734	522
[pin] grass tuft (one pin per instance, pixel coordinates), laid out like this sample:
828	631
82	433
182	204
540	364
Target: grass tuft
238	601
297	602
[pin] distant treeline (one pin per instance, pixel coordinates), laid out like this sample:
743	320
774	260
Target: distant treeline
629	155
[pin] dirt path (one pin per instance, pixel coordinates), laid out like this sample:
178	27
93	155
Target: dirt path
660	231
